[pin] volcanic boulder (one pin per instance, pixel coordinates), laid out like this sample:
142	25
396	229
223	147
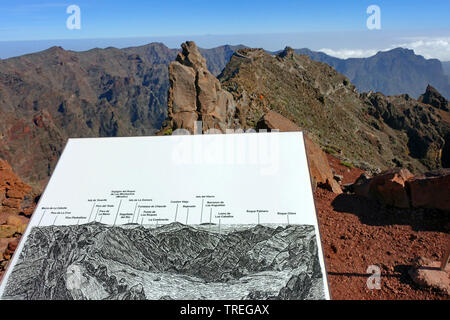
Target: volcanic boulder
274	121
387	188
431	190
400	188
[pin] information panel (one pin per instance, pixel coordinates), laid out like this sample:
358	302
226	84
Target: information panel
209	217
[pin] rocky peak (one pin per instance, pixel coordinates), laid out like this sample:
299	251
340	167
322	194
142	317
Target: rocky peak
190	56
287	52
196	95
434	98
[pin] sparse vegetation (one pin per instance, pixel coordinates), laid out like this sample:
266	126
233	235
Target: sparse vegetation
330	150
347	164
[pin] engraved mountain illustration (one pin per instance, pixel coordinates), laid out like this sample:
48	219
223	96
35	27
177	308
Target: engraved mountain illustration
175	261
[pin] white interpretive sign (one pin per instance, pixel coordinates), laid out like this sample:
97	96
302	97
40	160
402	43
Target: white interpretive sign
203	217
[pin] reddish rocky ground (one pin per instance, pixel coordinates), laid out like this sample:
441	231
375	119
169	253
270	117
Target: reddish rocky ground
16	206
357	233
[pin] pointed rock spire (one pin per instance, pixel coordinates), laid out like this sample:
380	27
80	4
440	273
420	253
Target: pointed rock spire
434	98
196	95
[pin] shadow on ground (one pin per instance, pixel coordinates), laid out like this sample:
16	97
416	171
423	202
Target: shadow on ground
372	213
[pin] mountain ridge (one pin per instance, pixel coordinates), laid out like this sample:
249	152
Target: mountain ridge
55	94
370	130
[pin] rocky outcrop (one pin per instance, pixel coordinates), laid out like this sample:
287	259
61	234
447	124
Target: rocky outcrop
320	170
387	188
434	98
196	95
400	188
424	130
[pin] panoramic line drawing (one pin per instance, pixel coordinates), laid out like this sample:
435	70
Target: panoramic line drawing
173	261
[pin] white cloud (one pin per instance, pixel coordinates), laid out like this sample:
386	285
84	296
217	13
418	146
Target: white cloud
438	48
349	53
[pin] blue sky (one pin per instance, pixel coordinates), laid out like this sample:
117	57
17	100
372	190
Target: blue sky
227	20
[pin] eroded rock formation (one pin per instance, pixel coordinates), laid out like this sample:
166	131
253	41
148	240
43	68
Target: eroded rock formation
434	98
196	95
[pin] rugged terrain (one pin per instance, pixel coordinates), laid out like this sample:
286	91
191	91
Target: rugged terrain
55	94
357	232
171	262
370	130
49	96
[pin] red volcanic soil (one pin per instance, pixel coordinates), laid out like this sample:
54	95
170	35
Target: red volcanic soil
357	233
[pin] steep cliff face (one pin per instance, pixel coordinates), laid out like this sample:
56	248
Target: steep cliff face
50	96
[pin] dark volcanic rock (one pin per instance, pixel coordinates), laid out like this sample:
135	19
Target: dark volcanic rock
434	98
